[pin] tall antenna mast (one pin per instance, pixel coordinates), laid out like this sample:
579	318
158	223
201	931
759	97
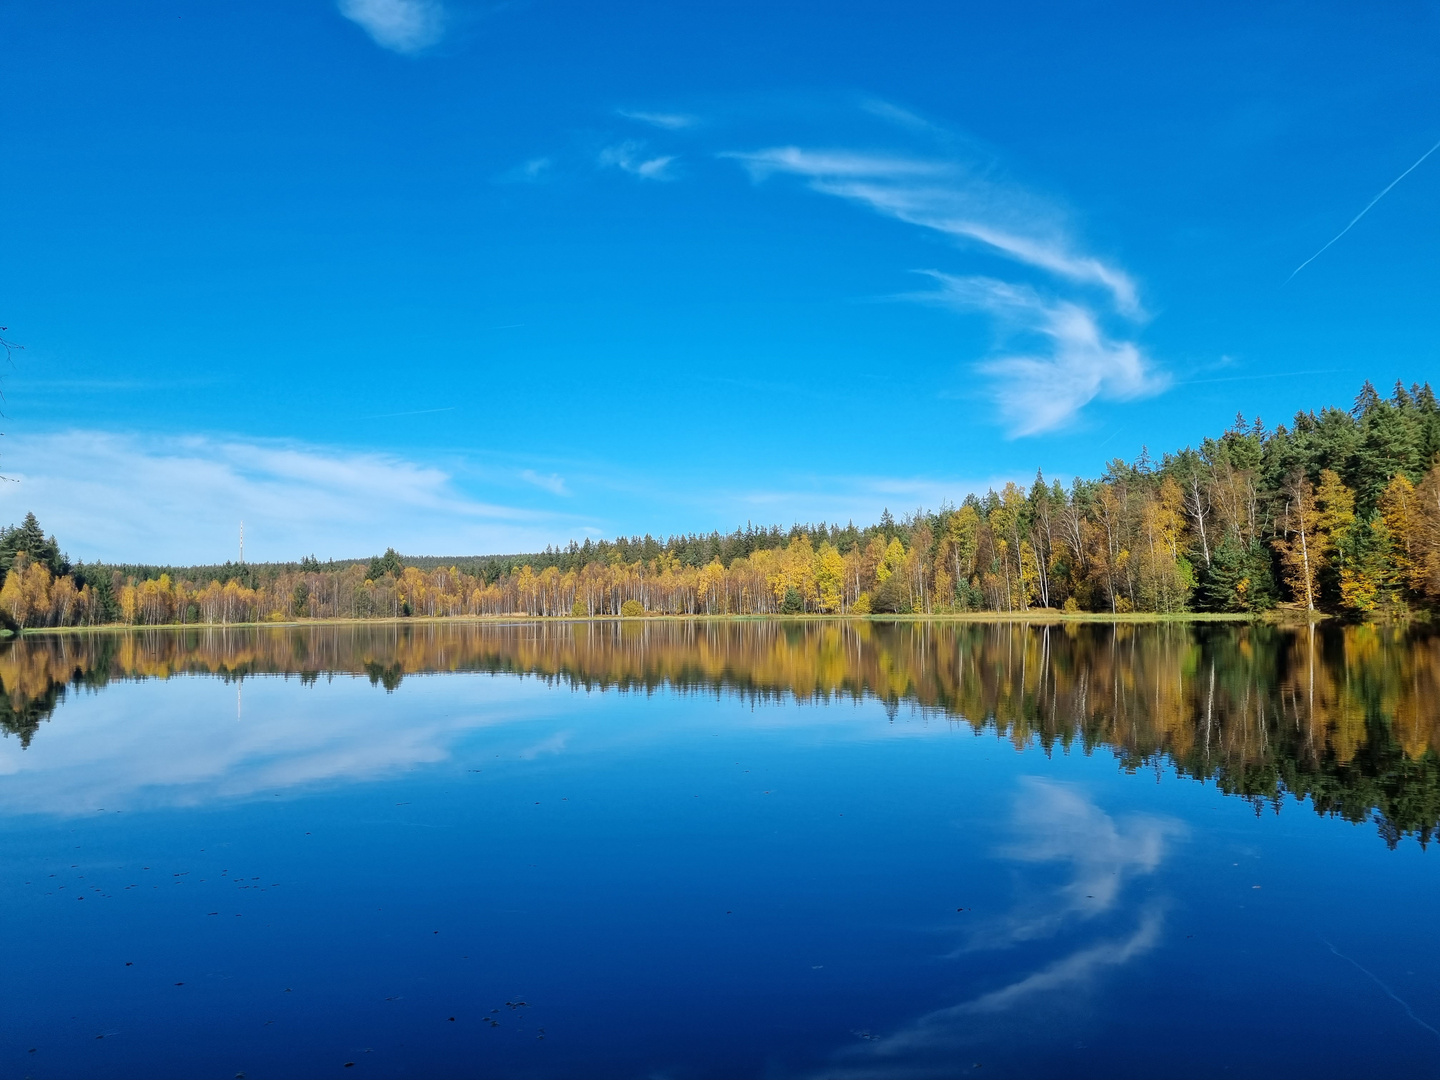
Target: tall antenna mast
242	543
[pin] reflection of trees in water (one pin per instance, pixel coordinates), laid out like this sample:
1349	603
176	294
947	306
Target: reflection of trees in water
21	716
34	680
1342	716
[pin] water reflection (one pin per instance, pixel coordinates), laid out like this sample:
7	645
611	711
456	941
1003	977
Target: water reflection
1054	825
181	745
1345	717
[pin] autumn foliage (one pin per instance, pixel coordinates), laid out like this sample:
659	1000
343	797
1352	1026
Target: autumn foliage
1339	512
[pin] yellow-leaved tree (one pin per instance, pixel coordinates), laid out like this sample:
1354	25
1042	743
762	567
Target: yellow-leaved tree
1361	578
710	587
26	592
891	561
829	577
1398	511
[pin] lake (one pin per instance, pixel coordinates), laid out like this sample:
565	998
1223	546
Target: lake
722	849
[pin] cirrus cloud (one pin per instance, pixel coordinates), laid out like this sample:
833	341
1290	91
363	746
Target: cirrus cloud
1078	347
631	157
1074	361
669	121
184	498
403	26
950	198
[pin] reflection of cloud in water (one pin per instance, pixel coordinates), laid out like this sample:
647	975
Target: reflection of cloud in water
911	1051
1054	824
554	744
180	742
1077	967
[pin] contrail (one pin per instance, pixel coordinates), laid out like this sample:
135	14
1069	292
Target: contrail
1362	213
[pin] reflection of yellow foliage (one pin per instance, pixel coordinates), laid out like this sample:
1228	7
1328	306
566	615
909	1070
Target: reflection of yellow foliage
1224	699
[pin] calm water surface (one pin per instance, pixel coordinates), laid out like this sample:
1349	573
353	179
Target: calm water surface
721	850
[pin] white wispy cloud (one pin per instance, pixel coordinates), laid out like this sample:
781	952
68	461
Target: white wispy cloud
404	26
534	171
1075	362
950	198
1079	356
631	157
183	500
904	118
667	120
552	482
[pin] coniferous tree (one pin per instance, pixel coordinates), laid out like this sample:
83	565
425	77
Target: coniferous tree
31	539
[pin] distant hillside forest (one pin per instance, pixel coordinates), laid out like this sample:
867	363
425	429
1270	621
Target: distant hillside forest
1337	513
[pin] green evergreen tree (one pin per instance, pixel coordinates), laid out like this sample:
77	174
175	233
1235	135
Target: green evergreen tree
1239	578
31	539
389	563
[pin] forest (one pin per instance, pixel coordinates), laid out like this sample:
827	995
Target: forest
1336	514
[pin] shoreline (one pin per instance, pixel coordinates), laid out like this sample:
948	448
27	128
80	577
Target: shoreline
1040	618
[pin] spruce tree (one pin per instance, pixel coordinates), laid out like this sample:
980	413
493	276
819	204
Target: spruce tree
31	539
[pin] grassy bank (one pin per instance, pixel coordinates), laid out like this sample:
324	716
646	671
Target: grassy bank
1043	618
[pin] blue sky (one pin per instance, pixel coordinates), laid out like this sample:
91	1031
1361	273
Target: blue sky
466	278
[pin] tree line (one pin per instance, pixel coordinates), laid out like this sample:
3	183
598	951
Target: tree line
1338	512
